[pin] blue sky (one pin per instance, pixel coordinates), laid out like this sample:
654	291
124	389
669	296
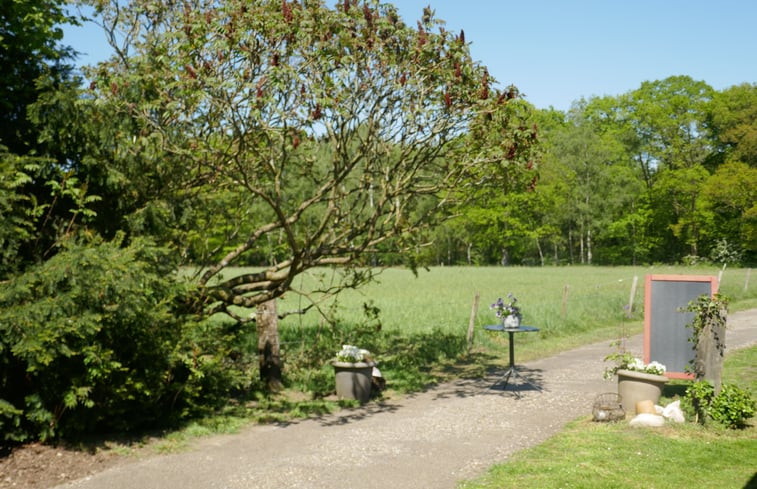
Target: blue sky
556	51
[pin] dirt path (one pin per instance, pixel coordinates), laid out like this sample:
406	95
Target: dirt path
430	440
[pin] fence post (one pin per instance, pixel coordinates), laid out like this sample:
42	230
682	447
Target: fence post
632	296
746	282
565	301
472	321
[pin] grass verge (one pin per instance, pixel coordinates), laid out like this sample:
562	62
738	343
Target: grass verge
601	455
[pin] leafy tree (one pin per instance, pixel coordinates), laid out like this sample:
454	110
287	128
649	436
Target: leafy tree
730	195
332	128
668	117
34	62
733	119
677	202
30	48
663	128
242	96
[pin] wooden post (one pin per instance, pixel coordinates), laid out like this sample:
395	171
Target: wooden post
746	282
472	321
632	296
565	301
708	358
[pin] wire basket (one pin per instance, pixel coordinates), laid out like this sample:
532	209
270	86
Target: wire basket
607	407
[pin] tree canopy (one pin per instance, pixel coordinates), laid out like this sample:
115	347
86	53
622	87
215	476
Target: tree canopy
330	132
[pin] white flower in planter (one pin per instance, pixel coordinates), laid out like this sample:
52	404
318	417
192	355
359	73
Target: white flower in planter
353	354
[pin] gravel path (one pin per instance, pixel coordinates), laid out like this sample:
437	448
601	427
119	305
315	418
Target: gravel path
429	440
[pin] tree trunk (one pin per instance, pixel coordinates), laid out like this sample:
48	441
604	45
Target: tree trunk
269	355
541	253
557	259
581	246
470	247
588	246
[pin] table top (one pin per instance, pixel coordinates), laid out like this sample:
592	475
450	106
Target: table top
519	329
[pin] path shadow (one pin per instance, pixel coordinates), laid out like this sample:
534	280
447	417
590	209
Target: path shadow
526	380
350	415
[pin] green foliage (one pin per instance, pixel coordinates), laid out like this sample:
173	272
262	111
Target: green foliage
337	135
725	253
29	50
94	339
732	117
698	398
732	407
708	311
17	210
730	195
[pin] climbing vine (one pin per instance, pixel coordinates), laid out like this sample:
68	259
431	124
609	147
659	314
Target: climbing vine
710	314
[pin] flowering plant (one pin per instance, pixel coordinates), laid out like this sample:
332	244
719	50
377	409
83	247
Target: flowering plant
504	309
626	361
353	354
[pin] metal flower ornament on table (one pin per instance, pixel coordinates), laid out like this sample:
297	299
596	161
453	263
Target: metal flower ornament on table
508	312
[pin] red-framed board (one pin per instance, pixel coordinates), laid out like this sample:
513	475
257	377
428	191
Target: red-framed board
666	337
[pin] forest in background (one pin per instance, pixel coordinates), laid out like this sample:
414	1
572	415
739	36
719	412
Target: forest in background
666	173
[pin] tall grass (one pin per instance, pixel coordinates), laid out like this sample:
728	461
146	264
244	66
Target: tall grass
553	298
424	318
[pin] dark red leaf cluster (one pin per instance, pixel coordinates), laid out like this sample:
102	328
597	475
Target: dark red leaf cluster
286	11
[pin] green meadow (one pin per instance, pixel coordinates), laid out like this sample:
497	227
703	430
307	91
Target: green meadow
556	299
419	336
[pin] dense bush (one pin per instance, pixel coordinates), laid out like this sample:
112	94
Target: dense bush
90	340
732	406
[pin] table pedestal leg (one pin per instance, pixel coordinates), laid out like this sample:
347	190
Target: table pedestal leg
511	370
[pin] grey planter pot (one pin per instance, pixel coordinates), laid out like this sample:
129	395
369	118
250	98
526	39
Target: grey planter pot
353	380
639	386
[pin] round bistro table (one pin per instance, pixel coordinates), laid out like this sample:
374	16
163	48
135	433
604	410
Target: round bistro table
511	370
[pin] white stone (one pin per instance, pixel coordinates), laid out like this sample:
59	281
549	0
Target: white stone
646	419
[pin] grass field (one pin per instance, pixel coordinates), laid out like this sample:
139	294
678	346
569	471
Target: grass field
601	455
551	297
425	317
